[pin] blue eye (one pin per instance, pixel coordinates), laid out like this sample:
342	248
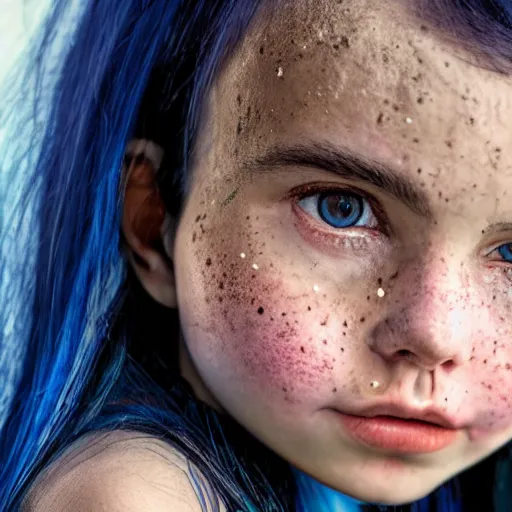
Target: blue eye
340	209
506	252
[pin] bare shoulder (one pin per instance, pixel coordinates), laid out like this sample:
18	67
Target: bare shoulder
116	471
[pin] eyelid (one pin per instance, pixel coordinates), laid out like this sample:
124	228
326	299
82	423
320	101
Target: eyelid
494	247
310	189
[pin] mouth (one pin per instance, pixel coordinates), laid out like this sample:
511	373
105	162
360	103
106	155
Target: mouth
400	430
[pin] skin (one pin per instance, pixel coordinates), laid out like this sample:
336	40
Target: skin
280	338
118	471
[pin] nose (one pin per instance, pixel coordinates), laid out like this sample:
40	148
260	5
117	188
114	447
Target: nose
431	322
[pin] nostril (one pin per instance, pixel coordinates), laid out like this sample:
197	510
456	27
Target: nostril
448	365
400	355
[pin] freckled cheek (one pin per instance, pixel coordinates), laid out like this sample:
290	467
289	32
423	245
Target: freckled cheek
280	360
270	331
489	369
492	377
253	320
275	347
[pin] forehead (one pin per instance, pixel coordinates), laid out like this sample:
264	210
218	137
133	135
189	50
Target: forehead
368	75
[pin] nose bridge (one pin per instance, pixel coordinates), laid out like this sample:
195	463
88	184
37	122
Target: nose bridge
432	318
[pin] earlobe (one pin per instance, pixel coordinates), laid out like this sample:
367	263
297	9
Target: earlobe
159	285
145	223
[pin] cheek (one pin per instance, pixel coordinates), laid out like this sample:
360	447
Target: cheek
490	368
270	334
263	328
491	375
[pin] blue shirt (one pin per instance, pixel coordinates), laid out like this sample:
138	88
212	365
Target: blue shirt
324	499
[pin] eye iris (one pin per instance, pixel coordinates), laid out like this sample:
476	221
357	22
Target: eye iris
506	252
340	210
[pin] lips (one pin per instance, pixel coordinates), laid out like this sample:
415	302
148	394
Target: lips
429	415
398	429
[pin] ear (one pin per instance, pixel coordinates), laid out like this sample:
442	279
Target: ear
147	228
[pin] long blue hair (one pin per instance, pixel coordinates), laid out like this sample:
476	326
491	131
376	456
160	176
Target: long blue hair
131	68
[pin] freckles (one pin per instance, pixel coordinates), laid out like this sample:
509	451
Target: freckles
269	328
492	370
198	228
489	368
278	342
279	354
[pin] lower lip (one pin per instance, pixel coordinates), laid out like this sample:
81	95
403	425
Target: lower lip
398	435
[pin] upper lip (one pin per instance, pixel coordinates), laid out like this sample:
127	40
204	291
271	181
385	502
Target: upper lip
429	415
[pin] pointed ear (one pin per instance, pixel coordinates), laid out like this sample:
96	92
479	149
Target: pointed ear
146	225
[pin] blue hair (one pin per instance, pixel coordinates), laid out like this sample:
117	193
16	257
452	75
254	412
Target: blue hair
129	69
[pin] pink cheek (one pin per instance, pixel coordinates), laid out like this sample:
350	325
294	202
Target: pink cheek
279	361
281	351
491	373
280	343
497	397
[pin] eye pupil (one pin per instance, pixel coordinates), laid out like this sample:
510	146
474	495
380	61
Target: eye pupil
340	210
345	208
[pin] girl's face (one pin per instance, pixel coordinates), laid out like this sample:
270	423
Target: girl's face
346	249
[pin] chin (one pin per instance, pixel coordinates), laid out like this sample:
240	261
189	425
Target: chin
392	497
390	493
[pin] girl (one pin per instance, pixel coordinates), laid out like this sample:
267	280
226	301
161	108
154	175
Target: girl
274	250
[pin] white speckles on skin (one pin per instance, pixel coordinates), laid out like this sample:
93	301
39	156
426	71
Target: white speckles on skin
374	384
255	267
280	72
408	120
381	292
488	279
242	255
316	288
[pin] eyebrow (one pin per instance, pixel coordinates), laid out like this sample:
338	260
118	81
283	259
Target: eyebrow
346	164
498	227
